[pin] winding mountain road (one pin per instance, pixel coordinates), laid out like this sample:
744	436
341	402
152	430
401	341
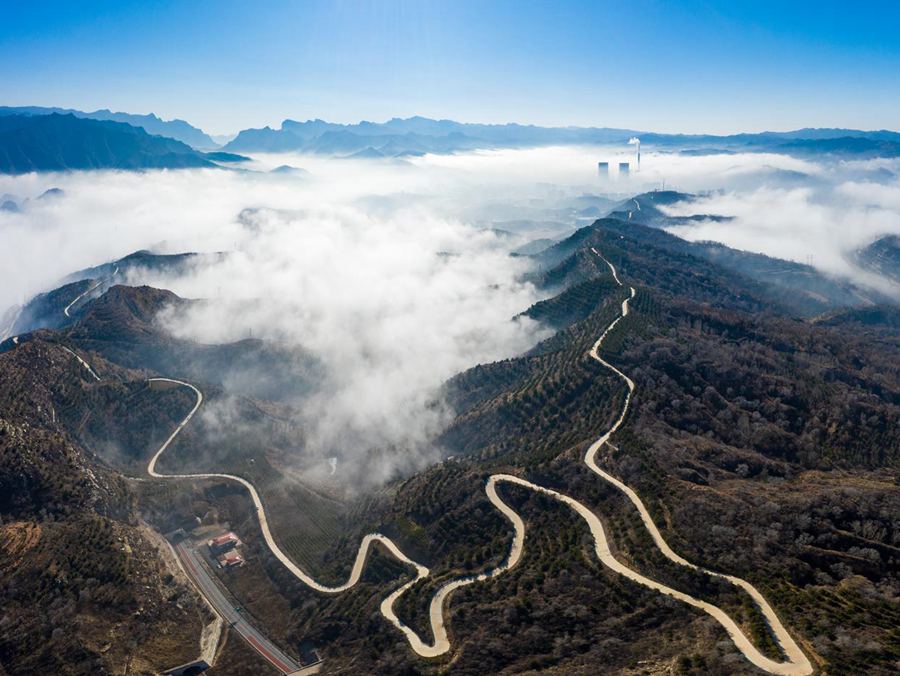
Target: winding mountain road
84	293
79	297
82	362
796	663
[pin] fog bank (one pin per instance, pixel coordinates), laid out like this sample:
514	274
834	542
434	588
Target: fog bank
395	274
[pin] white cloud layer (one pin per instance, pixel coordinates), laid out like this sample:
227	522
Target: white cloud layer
392	308
362	265
383	269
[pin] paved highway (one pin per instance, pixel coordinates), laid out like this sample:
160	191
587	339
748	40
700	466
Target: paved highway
202	577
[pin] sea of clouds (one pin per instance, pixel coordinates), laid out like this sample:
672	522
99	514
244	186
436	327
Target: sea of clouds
389	272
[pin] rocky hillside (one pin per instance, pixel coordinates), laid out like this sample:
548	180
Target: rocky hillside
763	444
800	288
882	257
84	586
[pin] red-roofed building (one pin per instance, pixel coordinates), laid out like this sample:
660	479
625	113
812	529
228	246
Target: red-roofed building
230	560
223	543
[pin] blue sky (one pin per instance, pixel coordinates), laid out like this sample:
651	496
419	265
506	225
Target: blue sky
691	66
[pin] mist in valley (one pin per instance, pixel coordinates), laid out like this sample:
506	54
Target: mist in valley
394	275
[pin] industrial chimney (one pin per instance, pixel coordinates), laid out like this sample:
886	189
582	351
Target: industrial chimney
635	141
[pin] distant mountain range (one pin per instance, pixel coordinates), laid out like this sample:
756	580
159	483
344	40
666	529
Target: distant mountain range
176	129
856	146
64	142
35	138
411	136
418	135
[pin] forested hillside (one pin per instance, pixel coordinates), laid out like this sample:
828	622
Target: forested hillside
84	585
763	443
765	446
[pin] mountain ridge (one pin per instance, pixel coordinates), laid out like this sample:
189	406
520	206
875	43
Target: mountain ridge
745	418
422	134
177	129
58	142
